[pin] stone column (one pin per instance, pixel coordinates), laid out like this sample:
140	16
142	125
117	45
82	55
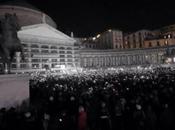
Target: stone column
40	65
83	61
141	59
6	69
120	60
18	60
116	60
126	60
102	61
129	60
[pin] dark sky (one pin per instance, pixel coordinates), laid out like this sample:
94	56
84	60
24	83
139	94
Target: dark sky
89	17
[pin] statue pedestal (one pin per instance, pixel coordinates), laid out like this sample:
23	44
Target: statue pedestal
14	89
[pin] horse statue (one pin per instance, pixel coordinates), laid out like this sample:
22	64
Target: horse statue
9	41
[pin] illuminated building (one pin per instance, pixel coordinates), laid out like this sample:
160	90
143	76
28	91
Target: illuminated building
110	39
143	47
44	45
87	43
136	39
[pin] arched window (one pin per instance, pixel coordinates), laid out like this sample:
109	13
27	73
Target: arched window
24	45
69	52
150	44
69	60
14	66
62	56
173	51
69	48
62	60
54	60
54	52
44	46
70	64
61	48
62	52
35	60
158	44
26	50
44	51
35	50
53	47
23	66
69	56
34	46
45	60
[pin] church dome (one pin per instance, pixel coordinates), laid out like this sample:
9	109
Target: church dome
27	13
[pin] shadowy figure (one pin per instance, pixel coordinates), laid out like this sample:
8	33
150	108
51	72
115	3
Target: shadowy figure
9	41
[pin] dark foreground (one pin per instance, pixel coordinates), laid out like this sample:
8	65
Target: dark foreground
98	101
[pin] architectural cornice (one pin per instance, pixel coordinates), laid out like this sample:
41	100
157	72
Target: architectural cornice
44	40
50	28
123	52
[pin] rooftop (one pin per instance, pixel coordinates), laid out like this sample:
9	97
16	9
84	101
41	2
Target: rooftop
21	3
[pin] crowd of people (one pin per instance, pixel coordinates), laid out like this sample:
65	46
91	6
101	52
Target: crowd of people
98	100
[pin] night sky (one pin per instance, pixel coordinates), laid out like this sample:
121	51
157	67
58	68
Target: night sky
90	17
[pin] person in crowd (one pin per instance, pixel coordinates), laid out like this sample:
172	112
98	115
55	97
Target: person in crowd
151	118
46	119
104	117
167	118
82	119
139	118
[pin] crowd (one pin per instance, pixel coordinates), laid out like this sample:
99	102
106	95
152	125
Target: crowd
98	100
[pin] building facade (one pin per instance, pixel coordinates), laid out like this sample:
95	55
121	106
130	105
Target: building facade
159	42
45	47
127	57
143	47
111	39
136	39
88	43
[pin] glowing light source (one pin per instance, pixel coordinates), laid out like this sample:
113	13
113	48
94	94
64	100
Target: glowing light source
169	60
98	35
138	67
94	38
174	59
109	30
169	36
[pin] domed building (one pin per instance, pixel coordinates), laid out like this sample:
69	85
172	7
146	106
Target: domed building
44	45
27	14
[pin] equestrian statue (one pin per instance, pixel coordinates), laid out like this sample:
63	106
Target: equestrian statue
9	41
